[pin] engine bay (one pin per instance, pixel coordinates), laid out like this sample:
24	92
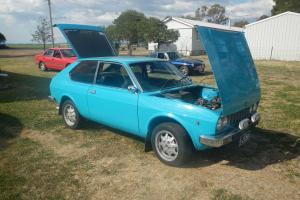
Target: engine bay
198	95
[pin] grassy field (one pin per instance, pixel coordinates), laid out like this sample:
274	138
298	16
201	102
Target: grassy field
41	159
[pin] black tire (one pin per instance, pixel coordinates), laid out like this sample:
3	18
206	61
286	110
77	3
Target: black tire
76	121
42	66
185	146
184	70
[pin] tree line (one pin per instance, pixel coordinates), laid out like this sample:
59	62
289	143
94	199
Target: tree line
133	27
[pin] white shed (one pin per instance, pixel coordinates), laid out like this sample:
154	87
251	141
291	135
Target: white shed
188	42
276	37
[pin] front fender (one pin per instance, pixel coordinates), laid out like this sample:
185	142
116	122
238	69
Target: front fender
194	120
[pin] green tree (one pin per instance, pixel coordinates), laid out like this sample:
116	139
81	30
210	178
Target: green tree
113	36
285	5
241	23
129	27
2	40
158	32
42	33
214	14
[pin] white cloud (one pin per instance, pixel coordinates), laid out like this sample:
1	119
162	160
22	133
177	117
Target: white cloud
250	10
18	18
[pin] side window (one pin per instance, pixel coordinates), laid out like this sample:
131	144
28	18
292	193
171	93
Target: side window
113	75
56	54
49	52
84	72
161	55
153	55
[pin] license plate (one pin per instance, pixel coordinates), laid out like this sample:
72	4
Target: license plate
244	138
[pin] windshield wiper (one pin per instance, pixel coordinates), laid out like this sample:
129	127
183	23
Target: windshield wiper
180	80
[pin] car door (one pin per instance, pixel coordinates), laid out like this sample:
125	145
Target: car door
109	100
57	60
47	58
82	77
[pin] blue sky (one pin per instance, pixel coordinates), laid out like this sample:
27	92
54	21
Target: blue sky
18	18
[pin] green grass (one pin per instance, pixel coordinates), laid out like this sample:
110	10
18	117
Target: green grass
222	194
33	46
41	159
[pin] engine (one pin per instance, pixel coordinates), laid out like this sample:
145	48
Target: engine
202	96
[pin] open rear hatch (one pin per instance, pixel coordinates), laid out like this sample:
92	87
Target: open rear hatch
233	68
86	41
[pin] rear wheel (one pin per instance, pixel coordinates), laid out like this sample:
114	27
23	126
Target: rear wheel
171	144
70	115
184	70
42	66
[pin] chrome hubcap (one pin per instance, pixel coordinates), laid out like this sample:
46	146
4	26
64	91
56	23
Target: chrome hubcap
42	67
70	115
184	70
166	145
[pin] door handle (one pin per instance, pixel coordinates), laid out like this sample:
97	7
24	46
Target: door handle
92	91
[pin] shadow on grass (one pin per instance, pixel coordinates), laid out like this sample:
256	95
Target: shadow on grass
10	128
24	87
266	147
206	73
90	125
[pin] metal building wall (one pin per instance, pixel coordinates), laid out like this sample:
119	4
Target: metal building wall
276	38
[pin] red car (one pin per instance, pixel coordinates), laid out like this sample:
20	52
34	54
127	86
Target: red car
55	58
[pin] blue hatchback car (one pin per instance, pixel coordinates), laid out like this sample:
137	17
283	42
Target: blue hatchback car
186	66
152	99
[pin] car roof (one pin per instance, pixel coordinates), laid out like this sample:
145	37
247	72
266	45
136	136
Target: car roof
58	48
124	59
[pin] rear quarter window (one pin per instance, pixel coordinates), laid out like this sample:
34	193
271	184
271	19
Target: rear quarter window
84	72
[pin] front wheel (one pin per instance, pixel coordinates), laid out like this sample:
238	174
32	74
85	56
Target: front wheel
42	66
171	144
70	115
184	70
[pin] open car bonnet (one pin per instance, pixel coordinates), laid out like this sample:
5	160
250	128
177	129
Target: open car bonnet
233	68
86	41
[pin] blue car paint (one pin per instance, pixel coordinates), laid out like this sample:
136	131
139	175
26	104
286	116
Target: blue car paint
140	108
145	107
186	62
191	64
234	72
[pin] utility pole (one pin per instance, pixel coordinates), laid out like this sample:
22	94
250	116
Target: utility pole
50	14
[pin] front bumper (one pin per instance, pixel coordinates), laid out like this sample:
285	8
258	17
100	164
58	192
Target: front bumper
220	140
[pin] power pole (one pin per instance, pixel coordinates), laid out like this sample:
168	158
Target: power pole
50	14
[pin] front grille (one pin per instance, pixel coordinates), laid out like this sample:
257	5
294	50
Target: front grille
235	118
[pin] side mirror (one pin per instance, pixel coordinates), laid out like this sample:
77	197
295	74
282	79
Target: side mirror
132	88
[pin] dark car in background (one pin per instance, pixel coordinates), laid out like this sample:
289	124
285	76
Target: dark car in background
186	66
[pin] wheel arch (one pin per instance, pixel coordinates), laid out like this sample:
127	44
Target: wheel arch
156	121
62	100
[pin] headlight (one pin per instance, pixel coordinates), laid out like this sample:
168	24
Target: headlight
221	123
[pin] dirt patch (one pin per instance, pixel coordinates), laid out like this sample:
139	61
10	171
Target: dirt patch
119	169
58	145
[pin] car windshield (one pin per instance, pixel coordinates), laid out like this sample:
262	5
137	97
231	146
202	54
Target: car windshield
173	55
67	53
158	75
